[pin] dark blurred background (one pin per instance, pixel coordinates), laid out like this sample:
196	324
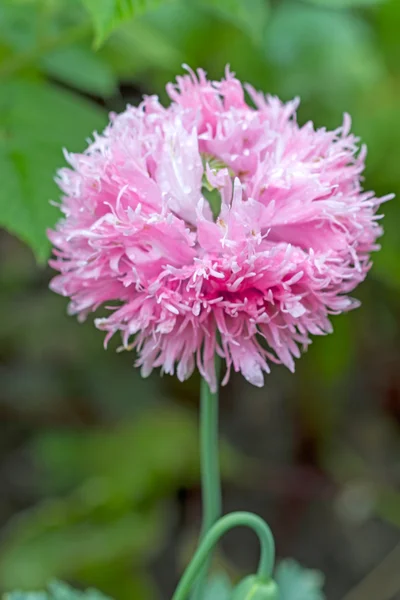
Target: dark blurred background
99	481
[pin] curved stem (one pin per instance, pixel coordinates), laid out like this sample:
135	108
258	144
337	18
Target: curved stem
244	519
210	473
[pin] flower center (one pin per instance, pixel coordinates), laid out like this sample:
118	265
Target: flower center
213	198
211	190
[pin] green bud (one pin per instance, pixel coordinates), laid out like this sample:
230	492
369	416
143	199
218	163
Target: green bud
255	588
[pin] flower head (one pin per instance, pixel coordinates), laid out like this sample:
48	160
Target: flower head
214	225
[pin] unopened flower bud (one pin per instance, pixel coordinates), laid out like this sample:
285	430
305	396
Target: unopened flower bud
256	588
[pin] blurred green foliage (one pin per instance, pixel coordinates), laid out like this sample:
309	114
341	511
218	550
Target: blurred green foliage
118	480
57	591
106	512
295	583
337	55
109	453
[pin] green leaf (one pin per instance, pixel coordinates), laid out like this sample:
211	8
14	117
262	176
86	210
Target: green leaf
103	15
144	467
218	588
345	3
16	29
388	505
297	583
107	15
57	590
80	68
71	536
61	591
113	475
26	596
323	55
138	45
36	121
248	15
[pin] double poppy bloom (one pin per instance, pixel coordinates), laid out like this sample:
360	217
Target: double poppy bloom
215	225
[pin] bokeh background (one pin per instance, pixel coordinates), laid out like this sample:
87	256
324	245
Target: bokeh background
99	481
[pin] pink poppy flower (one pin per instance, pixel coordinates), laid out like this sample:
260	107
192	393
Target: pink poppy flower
215	225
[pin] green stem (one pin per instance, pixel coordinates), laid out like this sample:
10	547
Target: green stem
223	525
210	473
209	448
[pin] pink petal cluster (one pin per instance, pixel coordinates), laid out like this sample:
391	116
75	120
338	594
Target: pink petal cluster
292	239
